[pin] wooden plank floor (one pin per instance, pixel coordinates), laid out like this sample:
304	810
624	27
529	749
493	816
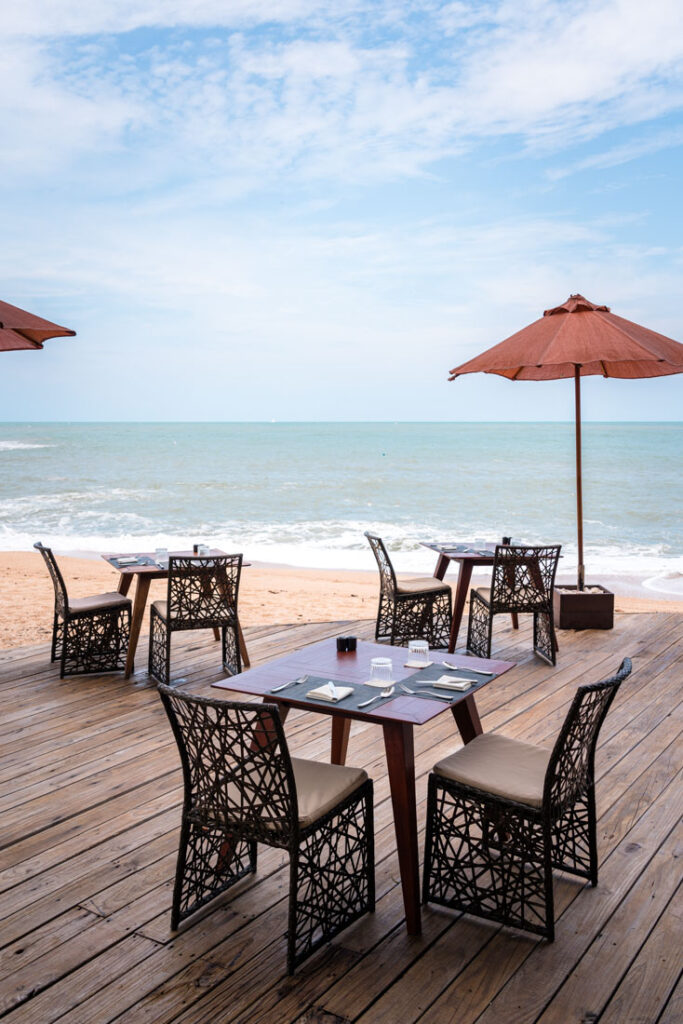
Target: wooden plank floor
90	804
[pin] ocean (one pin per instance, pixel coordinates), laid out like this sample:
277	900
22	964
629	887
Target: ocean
303	493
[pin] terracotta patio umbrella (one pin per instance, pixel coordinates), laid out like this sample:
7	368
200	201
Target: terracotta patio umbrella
576	339
19	329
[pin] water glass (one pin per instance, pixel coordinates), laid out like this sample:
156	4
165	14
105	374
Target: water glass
161	556
203	550
418	650
381	670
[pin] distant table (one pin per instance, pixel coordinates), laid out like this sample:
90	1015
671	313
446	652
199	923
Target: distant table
397	716
467	559
144	575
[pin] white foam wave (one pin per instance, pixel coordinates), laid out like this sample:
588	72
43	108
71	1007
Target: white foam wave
331	544
12	446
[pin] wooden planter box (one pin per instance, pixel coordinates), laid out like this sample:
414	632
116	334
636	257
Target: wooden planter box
583	609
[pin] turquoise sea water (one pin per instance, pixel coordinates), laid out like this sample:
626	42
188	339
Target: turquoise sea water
303	493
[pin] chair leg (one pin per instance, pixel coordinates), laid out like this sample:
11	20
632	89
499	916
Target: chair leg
203	871
574	839
232	658
159	658
479	626
545	643
332	876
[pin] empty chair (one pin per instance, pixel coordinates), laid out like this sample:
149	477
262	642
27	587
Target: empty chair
418	608
502	813
202	594
243	788
522	580
89	634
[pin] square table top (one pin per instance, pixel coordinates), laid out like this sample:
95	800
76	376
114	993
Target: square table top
353	667
150	566
456	550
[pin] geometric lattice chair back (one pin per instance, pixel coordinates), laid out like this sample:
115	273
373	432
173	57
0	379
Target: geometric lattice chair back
236	765
570	769
61	598
523	577
202	592
387	576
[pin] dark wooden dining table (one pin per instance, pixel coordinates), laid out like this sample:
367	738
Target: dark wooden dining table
397	716
467	559
144	574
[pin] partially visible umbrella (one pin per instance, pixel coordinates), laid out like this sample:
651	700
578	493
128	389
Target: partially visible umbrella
19	329
575	340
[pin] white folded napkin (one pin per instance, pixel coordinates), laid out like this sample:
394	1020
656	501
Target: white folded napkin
418	664
330	691
127	560
380	684
453	683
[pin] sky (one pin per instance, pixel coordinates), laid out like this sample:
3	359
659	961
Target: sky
301	210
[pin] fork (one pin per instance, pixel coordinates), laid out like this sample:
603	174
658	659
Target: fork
294	682
406	689
385	693
457	668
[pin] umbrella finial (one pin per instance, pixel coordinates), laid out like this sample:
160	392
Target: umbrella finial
576	304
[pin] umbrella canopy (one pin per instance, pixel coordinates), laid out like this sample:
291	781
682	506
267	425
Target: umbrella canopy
19	329
577	339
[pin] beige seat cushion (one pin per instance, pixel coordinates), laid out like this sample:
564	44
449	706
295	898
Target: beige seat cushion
484	592
320	786
533	596
161	607
97	601
501	766
420	584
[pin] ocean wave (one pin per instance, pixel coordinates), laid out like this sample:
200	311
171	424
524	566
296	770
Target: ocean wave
331	544
15	446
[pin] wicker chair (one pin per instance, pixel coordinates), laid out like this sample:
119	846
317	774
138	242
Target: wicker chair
418	608
243	788
522	581
89	634
502	813
202	594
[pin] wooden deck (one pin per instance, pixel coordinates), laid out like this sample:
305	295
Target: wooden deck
90	806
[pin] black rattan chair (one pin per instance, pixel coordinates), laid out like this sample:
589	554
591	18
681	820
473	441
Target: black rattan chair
418	608
502	813
89	634
522	580
202	594
243	788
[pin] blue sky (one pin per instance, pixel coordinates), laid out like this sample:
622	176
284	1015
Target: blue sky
312	210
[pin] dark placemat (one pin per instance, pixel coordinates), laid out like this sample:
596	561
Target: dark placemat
433	672
361	693
139	560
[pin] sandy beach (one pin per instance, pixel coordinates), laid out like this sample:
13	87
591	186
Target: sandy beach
268	594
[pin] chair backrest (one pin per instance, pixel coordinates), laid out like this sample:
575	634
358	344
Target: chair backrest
523	577
202	592
61	597
570	768
387	576
236	765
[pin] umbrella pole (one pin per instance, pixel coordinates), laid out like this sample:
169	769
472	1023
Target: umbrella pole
579	495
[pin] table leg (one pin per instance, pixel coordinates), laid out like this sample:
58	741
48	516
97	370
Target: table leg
398	744
461	590
125	580
341	727
141	592
467	718
246	663
441	566
515	620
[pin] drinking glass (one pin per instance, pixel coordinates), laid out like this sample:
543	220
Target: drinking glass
161	556
380	670
418	650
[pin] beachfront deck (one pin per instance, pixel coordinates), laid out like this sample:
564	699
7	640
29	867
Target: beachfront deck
90	802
